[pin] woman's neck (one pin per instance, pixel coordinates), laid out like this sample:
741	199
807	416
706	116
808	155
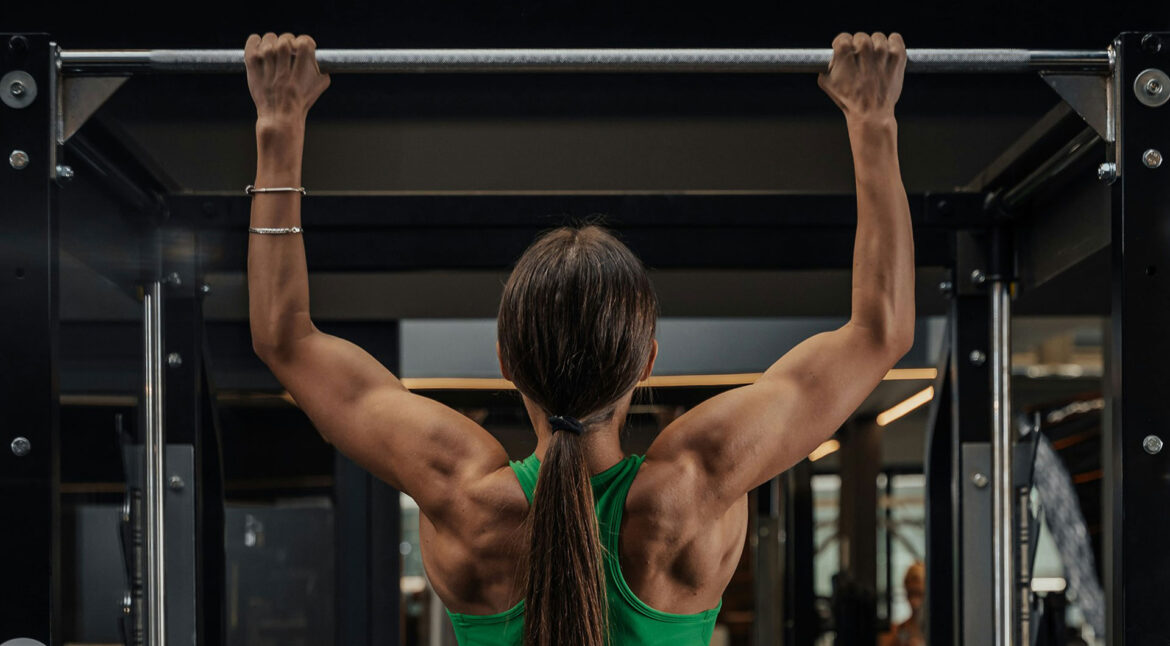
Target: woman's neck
602	442
603	448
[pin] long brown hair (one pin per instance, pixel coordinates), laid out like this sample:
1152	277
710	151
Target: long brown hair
576	329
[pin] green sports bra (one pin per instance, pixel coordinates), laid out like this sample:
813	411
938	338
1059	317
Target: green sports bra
631	621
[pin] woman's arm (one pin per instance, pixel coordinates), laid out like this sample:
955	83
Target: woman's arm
416	444
744	437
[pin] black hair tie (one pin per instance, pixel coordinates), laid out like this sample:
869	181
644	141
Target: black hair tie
570	424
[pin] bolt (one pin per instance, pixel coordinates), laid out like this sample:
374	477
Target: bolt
1152	444
946	287
64	173
18	44
205	288
979	480
18	159
174	360
21	447
1151	43
977	357
16	88
1107	172
173	279
1152	158
1153	87
978	277
176	483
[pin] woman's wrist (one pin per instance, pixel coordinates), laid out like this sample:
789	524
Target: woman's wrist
869	124
279	150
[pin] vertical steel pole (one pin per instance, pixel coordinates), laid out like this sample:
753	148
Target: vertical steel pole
1002	495
155	439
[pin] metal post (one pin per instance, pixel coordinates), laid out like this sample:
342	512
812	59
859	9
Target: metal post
30	456
226	61
769	565
155	442
1003	493
800	626
1137	466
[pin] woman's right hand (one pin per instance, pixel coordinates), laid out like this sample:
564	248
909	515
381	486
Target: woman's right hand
865	74
283	76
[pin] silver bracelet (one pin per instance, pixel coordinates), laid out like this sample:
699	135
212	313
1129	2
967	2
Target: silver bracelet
252	190
275	231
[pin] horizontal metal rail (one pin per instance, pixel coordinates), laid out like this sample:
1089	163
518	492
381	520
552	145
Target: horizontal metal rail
371	61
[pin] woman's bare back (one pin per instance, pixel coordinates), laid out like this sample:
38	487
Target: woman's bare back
672	559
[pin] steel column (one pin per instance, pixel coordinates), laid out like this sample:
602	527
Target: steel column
801	626
1137	466
971	422
1003	493
30	602
768	562
154	442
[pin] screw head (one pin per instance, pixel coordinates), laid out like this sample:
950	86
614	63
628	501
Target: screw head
979	480
174	360
16	88
21	447
205	288
176	483
1107	172
978	277
1152	444
18	159
946	287
1151	43
18	45
1153	87
64	173
1152	158
977	357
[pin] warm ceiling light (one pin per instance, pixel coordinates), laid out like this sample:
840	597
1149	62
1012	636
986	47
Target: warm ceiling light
910	403
656	381
456	383
900	374
826	448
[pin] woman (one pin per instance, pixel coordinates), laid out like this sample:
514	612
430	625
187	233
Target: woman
602	547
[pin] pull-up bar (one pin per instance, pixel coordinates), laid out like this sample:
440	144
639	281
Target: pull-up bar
775	61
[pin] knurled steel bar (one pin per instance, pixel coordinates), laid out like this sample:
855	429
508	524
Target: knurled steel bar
794	61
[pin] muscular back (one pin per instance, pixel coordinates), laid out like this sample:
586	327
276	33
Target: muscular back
673	559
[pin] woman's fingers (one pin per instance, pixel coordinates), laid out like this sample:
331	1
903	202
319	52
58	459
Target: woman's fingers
305	55
284	53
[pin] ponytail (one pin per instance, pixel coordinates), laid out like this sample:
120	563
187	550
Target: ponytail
576	331
565	601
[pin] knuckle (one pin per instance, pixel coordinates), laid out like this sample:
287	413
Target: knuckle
304	44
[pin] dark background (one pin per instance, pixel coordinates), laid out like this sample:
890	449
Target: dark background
355	23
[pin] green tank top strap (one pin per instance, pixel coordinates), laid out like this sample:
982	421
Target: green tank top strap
632	622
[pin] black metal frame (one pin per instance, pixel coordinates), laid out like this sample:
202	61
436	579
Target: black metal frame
733	231
29	483
1136	559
